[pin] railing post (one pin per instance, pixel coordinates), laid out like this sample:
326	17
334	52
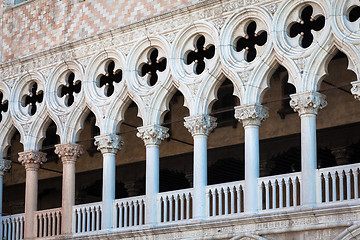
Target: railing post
251	117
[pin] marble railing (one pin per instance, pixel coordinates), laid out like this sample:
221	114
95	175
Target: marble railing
279	191
225	198
129	212
175	205
338	183
87	217
12	227
334	185
48	223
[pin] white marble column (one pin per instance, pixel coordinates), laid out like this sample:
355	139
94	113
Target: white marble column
200	127
68	153
307	105
152	137
32	161
251	117
109	145
5	166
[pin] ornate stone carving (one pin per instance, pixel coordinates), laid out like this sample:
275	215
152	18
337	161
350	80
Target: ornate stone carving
110	143
200	124
32	159
251	114
152	135
355	90
5	165
307	103
69	152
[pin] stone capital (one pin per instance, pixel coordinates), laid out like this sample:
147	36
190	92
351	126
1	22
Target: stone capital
251	115
110	143
69	152
32	159
355	90
308	102
152	134
200	124
5	166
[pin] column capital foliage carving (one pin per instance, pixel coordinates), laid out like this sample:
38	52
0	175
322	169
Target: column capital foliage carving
69	152
153	134
200	124
355	90
32	159
251	115
308	102
5	165
110	143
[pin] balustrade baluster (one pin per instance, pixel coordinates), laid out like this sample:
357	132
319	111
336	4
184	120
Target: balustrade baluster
213	202
182	203
341	185
83	218
356	183
188	206
220	201
141	212
267	195
348	184
260	198
232	200
5	229
58	223
17	228
78	214
281	194
40	227
226	199
287	186
165	209
121	215
176	207
171	201
136	213
22	228
131	214
126	214
333	178
273	185
88	211
13	229
296	203
327	192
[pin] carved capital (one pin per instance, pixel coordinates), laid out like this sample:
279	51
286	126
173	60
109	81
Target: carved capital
32	160
110	143
251	115
152	135
355	90
69	152
5	166
308	103
200	124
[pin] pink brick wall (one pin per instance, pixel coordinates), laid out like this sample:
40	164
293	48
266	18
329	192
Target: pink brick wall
43	24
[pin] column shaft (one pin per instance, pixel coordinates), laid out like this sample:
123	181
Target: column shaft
308	158
31	195
251	167
109	180
68	197
200	175
1	192
152	182
5	165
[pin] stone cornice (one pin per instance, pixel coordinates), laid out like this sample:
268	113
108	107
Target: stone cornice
110	143
153	134
251	115
200	124
69	152
308	102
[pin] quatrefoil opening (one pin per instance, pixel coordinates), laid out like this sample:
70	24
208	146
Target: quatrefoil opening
250	41
354	13
151	67
199	54
32	99
307	24
111	76
71	87
4	105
